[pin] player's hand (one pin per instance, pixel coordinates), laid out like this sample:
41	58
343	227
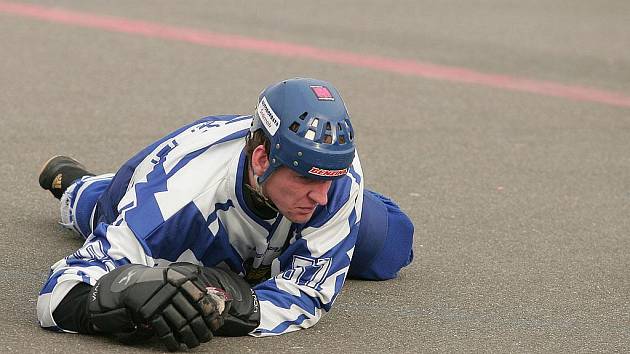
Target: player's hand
177	303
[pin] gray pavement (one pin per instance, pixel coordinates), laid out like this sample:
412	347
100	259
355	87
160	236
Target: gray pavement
520	201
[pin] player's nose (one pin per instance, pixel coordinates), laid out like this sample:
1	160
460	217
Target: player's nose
319	192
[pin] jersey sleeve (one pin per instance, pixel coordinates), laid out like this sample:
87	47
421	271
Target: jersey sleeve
124	242
108	247
313	269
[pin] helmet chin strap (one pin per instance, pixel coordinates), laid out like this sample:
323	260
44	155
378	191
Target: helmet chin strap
257	190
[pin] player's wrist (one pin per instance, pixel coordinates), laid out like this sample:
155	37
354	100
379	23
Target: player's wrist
71	314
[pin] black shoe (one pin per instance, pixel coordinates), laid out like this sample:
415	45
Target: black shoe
59	172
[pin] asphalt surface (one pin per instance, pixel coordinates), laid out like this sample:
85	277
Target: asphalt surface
520	201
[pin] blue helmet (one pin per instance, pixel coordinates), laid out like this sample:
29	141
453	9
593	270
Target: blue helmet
308	126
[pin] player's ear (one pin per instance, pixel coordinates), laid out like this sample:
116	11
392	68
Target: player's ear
260	160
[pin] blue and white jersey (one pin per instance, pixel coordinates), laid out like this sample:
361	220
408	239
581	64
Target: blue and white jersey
181	199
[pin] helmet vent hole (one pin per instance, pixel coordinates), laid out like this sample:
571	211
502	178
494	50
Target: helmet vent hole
328	139
310	135
350	135
314	123
341	139
328	126
294	127
303	115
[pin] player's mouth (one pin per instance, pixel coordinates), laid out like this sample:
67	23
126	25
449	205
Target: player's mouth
304	211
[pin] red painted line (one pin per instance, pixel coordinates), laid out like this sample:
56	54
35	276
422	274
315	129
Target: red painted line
284	49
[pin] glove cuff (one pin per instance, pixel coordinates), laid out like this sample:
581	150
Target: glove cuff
244	312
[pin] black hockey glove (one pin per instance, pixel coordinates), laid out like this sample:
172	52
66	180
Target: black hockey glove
178	303
243	316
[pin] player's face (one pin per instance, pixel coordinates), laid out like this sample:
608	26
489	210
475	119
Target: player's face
296	196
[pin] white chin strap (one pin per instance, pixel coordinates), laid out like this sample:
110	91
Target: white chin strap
258	187
259	191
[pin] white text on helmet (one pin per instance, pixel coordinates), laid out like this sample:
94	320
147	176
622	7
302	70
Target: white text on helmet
268	117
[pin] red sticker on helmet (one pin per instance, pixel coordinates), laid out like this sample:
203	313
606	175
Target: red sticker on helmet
327	173
322	93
